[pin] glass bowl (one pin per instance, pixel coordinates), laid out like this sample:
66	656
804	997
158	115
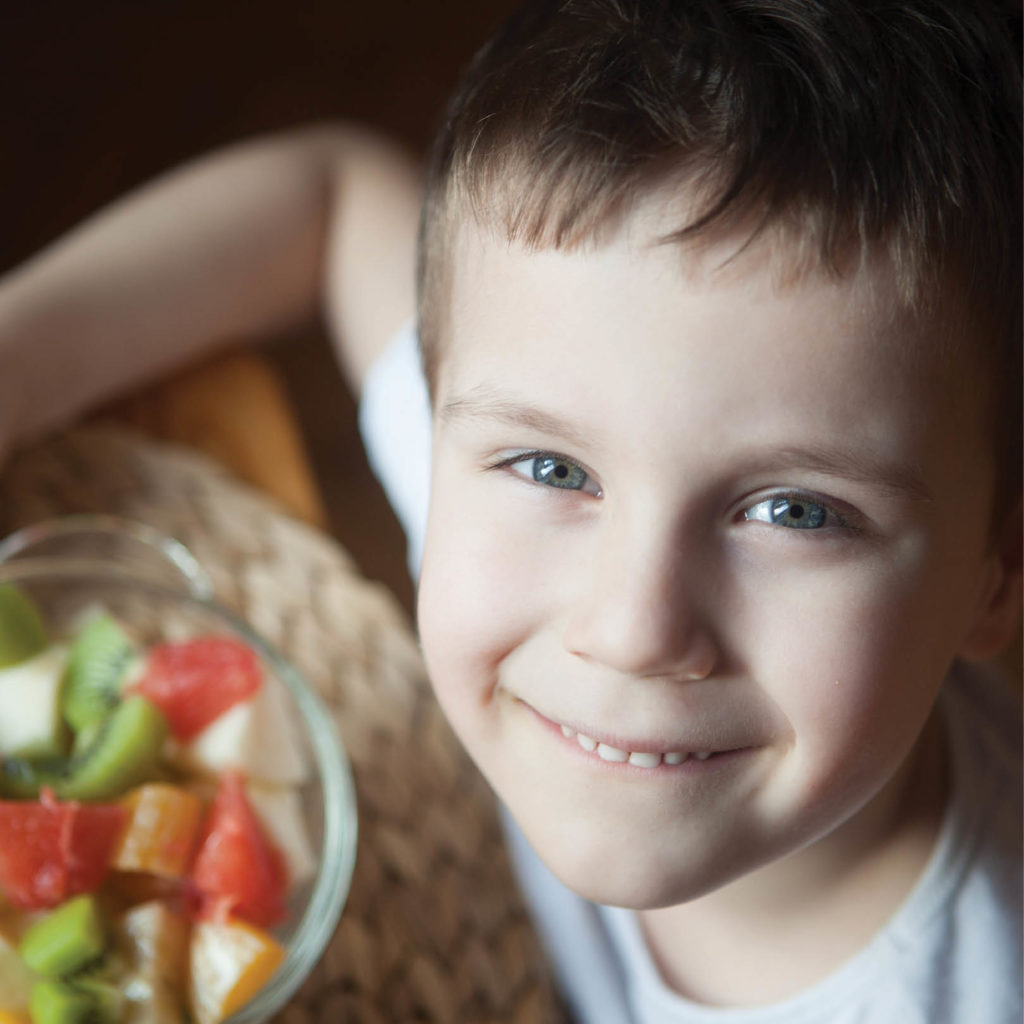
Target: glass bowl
155	587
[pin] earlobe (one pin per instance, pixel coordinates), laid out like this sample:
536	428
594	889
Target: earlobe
997	619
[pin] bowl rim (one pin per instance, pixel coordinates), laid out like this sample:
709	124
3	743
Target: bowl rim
340	818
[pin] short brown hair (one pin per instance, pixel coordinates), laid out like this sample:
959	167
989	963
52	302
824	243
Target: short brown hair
867	123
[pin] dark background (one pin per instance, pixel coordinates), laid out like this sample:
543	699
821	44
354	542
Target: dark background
98	97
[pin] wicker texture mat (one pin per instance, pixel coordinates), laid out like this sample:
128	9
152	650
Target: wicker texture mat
434	930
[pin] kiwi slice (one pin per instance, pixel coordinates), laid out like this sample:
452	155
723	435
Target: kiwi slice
86	737
21	778
99	657
108	1002
60	1002
22	633
124	753
55	1002
65	940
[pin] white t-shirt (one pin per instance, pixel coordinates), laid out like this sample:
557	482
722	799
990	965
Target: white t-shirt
951	954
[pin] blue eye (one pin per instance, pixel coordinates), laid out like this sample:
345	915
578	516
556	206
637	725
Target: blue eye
792	511
558	473
554	471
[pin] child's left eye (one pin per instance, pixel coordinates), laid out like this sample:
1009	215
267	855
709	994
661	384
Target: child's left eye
793	511
554	471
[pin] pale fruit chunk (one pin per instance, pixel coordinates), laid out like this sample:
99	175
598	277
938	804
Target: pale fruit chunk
154	941
280	813
15	979
229	962
31	723
146	1002
257	736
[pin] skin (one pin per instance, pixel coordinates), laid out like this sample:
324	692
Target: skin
655	605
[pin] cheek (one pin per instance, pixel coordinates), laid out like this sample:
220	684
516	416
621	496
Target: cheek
853	662
862	623
477	600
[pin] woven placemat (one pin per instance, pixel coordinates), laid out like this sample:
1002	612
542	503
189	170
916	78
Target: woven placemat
434	929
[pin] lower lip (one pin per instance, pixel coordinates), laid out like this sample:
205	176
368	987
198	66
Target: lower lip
691	765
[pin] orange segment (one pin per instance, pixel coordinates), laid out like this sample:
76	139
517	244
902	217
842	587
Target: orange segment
163	822
229	962
6	1017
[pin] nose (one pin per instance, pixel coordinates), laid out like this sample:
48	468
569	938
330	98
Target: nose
640	611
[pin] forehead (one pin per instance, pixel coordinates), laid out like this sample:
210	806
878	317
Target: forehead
623	332
497	286
934	320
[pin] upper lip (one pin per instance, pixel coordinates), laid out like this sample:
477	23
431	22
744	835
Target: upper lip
647	745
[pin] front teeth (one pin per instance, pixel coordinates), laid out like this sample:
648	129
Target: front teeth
641	759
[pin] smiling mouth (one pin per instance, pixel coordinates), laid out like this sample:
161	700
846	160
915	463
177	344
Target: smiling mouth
639	758
648	758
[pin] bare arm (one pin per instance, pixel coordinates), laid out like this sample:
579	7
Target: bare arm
238	244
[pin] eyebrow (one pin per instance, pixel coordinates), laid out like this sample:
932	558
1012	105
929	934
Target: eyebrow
863	467
899	481
483	403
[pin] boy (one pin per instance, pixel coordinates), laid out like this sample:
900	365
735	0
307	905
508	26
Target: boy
719	314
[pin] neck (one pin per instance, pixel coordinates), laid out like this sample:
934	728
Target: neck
781	929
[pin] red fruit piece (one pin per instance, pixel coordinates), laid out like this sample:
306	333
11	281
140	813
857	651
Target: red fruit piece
195	681
237	869
51	851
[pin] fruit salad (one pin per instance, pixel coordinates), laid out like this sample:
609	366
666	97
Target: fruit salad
151	828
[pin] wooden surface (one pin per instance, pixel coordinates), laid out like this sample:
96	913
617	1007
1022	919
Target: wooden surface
280	418
235	408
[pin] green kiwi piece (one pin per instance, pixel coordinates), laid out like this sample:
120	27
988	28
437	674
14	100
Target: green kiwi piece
108	1002
56	1002
99	657
65	940
75	1002
22	633
86	737
21	778
124	753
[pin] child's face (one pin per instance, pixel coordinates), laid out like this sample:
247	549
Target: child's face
681	512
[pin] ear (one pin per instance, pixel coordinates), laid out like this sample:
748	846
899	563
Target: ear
997	620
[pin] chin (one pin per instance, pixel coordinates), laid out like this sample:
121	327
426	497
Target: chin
619	874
